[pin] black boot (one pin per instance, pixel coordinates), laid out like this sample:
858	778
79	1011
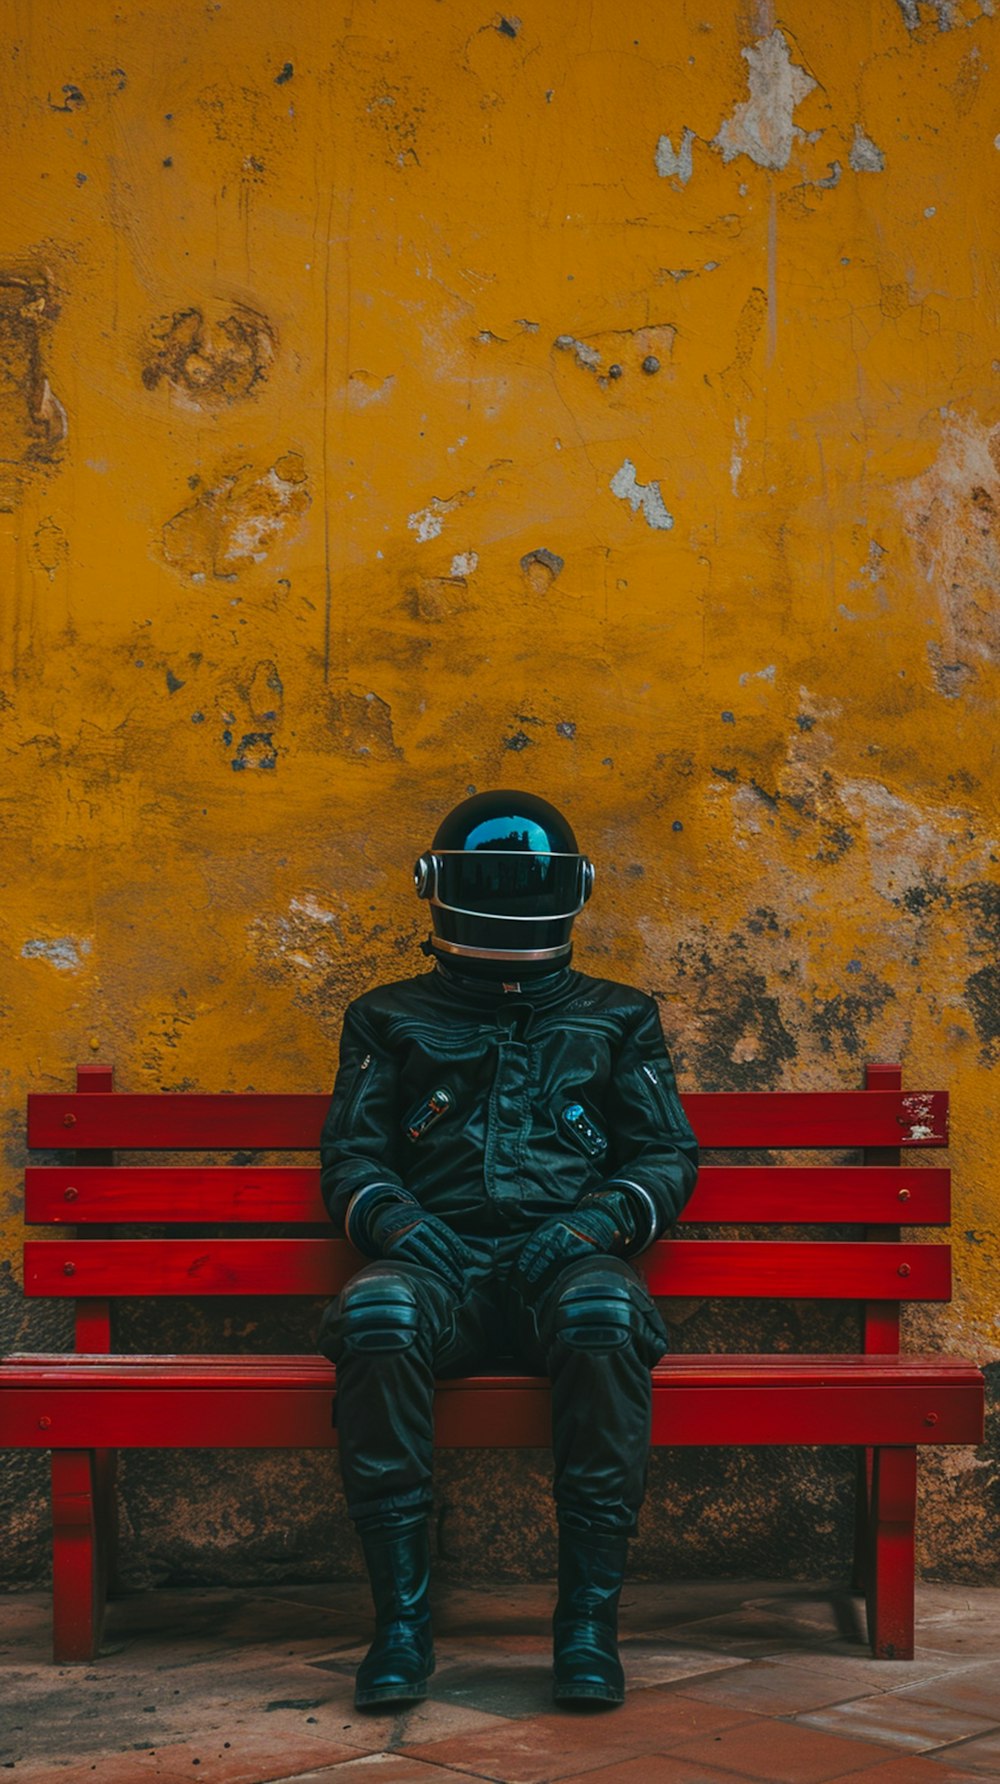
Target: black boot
400	1660
585	1625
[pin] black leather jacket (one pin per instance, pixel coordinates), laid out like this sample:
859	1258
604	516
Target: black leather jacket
496	1110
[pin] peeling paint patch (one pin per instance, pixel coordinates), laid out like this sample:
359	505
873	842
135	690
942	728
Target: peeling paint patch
736	456
428	522
64	952
210	361
586	356
465	563
762	126
676	164
364	388
952	517
32	419
362	724
645	496
541	567
238	521
865	155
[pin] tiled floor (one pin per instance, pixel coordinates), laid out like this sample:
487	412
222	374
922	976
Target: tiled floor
727	1681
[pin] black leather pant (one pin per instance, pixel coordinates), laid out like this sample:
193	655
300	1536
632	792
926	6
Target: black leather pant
594	1331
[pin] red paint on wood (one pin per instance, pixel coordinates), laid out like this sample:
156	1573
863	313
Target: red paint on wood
188	1120
726	1267
891	1552
794	1195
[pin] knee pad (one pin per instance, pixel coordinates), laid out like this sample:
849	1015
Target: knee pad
594	1312
378	1313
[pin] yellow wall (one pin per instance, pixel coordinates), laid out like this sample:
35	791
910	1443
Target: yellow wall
333	484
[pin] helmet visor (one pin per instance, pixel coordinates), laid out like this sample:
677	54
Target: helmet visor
498	883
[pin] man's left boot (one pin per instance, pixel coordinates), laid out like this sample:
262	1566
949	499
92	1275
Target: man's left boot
400	1660
586	1666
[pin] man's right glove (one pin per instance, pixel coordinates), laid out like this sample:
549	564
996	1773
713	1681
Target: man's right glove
396	1226
607	1223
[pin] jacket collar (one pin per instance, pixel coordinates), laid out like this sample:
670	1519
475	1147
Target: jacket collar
484	993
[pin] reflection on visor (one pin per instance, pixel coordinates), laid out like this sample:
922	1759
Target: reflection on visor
509	885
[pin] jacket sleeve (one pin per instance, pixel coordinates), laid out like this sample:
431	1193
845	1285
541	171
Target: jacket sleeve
358	1142
655	1150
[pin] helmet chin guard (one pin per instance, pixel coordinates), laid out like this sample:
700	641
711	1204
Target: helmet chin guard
504	879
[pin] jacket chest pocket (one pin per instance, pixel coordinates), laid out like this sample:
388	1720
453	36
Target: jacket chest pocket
582	1128
425	1114
664	1095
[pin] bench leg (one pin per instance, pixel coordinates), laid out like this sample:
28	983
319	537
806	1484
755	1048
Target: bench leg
78	1563
891	1553
862	1519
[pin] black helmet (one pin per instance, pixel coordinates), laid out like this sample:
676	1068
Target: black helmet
505	879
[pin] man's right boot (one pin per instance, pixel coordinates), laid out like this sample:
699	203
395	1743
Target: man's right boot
401	1658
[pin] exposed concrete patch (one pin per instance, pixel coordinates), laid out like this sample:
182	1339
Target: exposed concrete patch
64	952
465	563
644	496
209	361
865	155
947	13
428	522
676	164
952	516
762	126
541	567
238	521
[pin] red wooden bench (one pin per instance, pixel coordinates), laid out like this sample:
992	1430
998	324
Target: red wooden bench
85	1406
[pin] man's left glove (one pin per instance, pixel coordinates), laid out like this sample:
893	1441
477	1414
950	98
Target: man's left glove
609	1223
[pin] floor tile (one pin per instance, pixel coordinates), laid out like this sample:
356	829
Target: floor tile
899	1722
907	1768
782	1752
975	1688
560	1744
652	1768
772	1690
980	1756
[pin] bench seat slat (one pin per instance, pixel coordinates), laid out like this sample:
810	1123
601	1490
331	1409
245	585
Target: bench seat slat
739	1267
761	1400
162	1194
187	1120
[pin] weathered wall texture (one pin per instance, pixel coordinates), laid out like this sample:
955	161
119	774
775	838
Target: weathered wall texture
401	397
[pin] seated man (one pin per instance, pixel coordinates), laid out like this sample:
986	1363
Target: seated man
505	1135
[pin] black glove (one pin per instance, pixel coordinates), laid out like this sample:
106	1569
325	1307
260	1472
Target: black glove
608	1224
401	1229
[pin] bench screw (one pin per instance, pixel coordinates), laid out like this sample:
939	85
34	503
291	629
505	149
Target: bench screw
71	1194
904	1270
930	1418
904	1195
69	1121
69	1269
44	1423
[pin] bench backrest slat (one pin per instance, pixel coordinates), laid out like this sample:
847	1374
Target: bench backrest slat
188	1121
740	1268
873	1195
